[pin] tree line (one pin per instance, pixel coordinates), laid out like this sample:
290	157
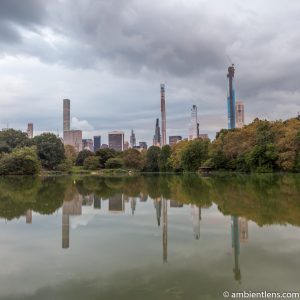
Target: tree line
262	146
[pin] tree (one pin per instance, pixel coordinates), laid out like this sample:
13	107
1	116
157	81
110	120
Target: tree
164	163
50	150
21	161
114	163
10	139
175	158
133	159
82	155
91	163
70	153
104	155
152	159
195	153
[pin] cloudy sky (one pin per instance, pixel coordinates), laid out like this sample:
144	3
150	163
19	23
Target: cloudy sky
110	56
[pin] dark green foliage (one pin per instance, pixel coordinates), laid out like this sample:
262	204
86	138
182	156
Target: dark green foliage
165	154
91	163
104	155
152	159
195	153
50	150
10	139
22	161
82	155
114	163
133	159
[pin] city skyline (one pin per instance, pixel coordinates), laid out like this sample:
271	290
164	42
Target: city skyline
46	56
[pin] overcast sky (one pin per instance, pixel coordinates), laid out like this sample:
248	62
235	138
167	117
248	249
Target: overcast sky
110	56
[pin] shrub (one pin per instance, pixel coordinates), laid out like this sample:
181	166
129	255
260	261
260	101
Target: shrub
91	163
114	163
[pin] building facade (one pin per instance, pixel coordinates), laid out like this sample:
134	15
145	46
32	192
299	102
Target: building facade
132	139
66	115
240	114
194	126
97	142
30	130
157	136
116	140
73	138
173	139
88	144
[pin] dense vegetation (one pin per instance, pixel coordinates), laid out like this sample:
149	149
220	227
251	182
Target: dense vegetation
261	146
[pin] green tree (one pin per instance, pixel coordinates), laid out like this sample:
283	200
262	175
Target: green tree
165	154
82	155
104	155
50	150
91	163
152	159
21	161
114	163
195	153
70	153
10	139
133	159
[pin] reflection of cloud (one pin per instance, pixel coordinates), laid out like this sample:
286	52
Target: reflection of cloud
83	220
81	124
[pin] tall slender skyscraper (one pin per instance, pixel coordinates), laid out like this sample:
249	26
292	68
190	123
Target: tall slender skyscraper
30	130
231	98
66	113
163	115
240	114
132	139
157	136
194	126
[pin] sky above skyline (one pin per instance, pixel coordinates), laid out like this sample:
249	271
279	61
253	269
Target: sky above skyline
109	57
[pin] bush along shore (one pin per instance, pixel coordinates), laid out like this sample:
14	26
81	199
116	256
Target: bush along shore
262	146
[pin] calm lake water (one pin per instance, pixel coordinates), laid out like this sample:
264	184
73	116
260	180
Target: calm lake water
148	237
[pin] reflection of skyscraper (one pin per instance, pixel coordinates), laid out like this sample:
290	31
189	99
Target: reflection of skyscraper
165	230
28	216
116	203
157	205
133	205
88	200
97	202
236	247
196	216
70	208
143	197
243	226
174	203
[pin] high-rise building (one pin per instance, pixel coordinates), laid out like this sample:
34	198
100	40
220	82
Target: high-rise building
143	145
66	115
194	127
97	142
132	139
73	138
163	115
173	139
157	136
231	98
88	144
126	145
116	140
30	130
240	114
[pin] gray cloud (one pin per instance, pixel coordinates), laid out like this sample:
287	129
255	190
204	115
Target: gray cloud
117	52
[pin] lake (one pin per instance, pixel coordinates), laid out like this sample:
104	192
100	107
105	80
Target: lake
148	236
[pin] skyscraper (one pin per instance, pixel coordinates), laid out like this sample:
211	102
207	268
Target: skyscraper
163	115
30	130
231	98
157	136
97	142
88	144
116	140
132	139
240	114
194	127
173	139
66	114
